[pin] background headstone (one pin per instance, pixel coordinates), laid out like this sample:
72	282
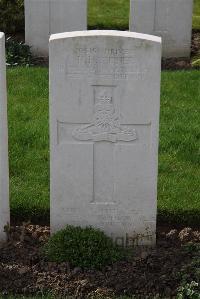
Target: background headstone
44	17
169	19
4	177
104	123
37	28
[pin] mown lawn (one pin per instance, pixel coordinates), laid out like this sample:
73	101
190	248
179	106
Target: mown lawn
179	159
108	14
196	15
29	141
114	14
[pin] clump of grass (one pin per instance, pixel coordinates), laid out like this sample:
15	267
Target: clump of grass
82	247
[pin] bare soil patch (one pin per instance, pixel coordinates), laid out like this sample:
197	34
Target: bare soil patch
23	270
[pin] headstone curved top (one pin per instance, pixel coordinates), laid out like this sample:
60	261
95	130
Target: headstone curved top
4	192
104	123
169	19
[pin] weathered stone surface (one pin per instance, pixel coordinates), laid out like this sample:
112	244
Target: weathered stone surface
4	178
169	19
104	123
37	26
68	15
44	17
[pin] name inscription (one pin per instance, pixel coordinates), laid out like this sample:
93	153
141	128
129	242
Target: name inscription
116	63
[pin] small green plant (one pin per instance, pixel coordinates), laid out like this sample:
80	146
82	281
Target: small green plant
82	247
189	291
17	53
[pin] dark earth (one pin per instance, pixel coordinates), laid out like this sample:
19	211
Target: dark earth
160	270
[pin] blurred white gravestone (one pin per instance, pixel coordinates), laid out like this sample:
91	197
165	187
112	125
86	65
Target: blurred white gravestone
169	19
44	17
104	124
4	177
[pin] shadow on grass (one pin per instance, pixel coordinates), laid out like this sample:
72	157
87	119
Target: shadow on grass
164	218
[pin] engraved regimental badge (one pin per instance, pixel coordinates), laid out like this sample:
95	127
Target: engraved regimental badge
106	124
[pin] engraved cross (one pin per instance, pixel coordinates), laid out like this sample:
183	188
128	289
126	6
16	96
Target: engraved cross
104	131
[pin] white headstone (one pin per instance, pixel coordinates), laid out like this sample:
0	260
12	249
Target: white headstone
169	19
4	178
44	17
104	124
37	26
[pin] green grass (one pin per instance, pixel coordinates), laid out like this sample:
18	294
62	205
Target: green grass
179	159
28	142
196	15
114	14
108	14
